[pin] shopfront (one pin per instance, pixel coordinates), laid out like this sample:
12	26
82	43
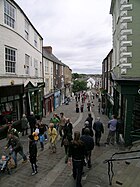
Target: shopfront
48	104
57	99
10	106
33	99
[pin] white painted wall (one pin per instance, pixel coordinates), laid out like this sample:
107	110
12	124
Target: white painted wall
15	38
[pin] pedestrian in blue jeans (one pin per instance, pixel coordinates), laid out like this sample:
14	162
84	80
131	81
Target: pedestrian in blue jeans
77	153
16	147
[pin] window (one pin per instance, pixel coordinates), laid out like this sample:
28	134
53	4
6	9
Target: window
10	60
27	61
36	67
9	14
35	39
26	30
47	85
56	69
46	66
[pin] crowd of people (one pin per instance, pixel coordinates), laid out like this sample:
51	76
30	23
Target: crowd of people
78	145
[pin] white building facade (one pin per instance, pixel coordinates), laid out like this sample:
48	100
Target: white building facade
21	67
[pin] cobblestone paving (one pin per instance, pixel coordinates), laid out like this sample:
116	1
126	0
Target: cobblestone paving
52	171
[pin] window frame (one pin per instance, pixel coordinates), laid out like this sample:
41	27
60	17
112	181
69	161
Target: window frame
11	59
26	30
9	14
27	64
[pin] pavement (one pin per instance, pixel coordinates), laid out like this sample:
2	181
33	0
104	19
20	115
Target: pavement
52	170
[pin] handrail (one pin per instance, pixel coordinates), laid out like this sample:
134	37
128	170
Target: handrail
111	160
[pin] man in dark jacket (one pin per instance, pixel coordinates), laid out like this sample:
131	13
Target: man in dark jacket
32	122
90	120
15	145
89	144
87	126
99	129
33	154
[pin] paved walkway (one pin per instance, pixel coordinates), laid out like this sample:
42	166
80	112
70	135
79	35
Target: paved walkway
53	172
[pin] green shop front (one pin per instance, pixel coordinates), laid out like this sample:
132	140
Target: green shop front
33	99
127	106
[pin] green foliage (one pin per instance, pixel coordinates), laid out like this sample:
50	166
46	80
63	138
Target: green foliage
79	86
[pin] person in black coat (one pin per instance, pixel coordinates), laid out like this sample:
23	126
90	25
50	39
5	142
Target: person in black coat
99	129
77	153
33	154
89	144
87	126
32	122
67	137
90	120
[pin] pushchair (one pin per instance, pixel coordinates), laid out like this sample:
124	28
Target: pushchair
6	164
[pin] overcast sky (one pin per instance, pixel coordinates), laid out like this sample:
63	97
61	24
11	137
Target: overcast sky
79	31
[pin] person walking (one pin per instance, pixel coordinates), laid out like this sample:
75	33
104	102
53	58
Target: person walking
120	131
15	145
90	120
112	125
88	106
62	124
77	107
32	122
52	132
33	154
86	125
67	137
55	120
41	135
24	124
89	145
77	153
99	129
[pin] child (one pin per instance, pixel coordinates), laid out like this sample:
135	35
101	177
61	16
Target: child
3	162
36	133
33	154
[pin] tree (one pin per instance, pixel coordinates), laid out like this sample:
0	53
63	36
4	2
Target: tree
79	86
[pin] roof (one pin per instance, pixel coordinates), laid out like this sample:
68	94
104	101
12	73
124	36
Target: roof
51	57
26	17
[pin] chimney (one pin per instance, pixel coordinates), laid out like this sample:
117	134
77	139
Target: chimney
48	49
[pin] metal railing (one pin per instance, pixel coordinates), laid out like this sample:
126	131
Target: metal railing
111	160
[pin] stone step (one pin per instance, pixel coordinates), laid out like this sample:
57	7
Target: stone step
127	176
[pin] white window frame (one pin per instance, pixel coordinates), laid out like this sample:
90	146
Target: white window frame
56	69
36	67
9	14
46	66
26	29
27	64
10	60
47	85
35	39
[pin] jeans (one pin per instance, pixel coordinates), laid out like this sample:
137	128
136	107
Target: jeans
14	154
111	137
77	171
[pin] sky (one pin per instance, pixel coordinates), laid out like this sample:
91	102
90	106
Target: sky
79	31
